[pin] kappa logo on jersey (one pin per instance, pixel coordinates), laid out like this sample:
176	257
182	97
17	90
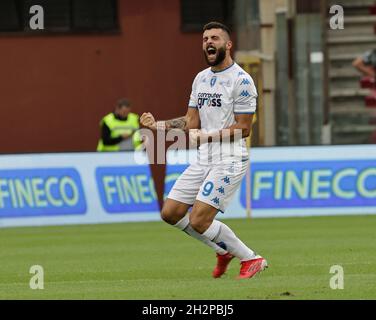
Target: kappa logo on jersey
209	100
244	93
225	83
245	81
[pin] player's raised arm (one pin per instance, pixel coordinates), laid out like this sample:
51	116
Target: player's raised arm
190	121
241	129
243	125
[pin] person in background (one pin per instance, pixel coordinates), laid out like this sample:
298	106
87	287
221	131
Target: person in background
366	63
119	129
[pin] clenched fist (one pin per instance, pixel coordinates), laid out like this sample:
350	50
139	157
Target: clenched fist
147	120
194	136
197	137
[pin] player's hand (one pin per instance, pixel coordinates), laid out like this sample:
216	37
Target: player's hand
147	120
194	136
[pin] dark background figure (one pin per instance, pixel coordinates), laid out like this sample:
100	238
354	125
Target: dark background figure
119	129
366	63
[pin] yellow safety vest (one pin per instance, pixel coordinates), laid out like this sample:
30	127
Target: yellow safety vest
118	128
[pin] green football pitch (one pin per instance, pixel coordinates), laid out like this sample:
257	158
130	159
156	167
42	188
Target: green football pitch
155	261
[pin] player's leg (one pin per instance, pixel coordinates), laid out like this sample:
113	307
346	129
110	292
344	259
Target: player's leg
215	194
180	199
203	221
175	213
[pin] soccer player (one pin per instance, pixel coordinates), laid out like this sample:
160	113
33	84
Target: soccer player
221	105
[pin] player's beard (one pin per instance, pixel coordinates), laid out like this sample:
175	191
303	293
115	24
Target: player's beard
221	55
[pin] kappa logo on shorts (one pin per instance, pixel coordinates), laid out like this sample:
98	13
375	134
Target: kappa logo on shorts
215	200
226	179
221	190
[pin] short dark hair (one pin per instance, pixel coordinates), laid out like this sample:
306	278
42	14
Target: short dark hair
216	25
123	103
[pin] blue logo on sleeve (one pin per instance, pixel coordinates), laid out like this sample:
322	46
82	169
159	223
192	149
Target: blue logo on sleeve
245	81
41	192
245	93
126	189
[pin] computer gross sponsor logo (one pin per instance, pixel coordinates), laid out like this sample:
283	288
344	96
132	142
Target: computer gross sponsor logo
209	100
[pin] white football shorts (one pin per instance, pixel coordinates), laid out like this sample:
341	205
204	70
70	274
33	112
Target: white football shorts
211	184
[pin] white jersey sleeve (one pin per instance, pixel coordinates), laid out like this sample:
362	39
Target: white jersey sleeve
245	95
193	97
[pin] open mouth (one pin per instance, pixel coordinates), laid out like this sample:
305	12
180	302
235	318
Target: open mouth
211	51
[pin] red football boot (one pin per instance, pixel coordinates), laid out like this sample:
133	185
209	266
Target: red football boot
250	267
222	264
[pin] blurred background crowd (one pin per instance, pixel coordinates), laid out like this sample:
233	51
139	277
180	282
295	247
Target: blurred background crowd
315	81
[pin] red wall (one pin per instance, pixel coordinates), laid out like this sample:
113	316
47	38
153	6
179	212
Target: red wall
55	89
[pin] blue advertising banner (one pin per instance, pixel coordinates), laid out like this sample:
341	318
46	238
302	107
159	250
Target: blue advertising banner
126	189
172	173
299	181
83	188
312	184
76	188
37	192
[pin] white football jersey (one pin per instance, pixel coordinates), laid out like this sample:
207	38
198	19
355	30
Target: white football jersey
219	96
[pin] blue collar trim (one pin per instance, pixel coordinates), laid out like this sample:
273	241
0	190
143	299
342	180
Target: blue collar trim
233	63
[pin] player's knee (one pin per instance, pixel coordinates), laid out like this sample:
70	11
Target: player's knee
197	224
168	215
